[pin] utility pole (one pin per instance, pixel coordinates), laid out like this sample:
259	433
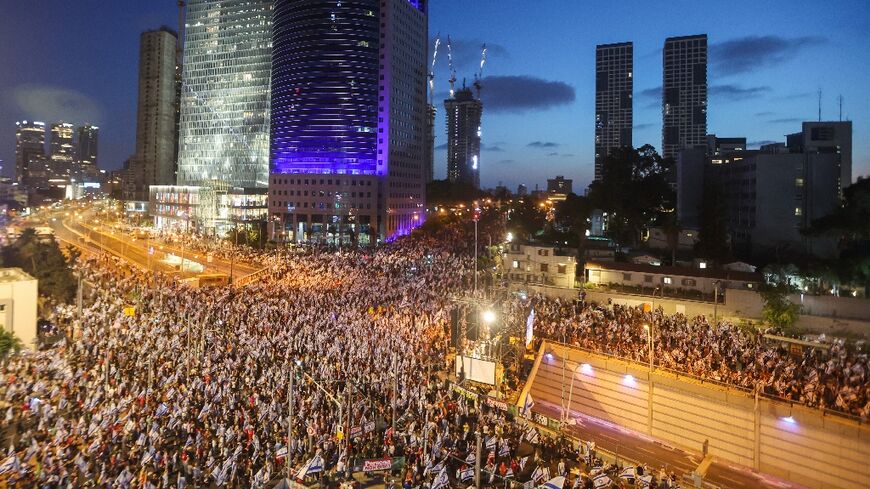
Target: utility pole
478	444
715	303
289	421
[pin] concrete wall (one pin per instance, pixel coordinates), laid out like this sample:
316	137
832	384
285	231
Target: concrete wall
836	307
18	299
810	448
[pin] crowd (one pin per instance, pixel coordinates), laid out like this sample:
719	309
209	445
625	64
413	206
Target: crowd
832	376
193	388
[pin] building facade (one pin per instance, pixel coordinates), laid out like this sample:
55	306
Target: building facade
463	113
614	88
684	94
87	138
30	152
224	125
154	160
348	119
539	265
18	305
62	153
826	137
558	188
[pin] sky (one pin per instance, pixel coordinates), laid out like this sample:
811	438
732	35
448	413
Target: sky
77	61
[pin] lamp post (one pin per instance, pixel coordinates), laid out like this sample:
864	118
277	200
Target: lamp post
715	303
650	345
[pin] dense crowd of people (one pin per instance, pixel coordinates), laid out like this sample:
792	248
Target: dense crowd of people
193	386
831	376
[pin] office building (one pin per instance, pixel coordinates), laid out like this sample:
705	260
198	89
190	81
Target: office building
29	151
224	127
87	137
431	112
614	88
154	160
463	113
348	122
826	137
684	94
62	153
717	146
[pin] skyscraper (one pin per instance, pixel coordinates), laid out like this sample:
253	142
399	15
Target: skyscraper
464	113
684	94
348	118
614	87
62	151
431	112
224	128
29	150
86	151
154	161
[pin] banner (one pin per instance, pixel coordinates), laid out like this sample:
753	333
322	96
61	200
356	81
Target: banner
355	432
530	328
377	464
495	403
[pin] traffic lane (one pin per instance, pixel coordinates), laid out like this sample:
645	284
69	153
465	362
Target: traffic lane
639	447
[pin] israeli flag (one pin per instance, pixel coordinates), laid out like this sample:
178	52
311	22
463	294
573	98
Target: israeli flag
504	450
644	481
10	464
628	474
161	410
467	474
538	474
491	443
528	404
470	459
601	480
442	480
554	483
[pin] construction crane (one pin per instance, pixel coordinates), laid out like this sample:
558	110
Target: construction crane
450	65
432	70
479	76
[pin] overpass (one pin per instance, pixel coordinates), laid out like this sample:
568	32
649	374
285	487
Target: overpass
666	418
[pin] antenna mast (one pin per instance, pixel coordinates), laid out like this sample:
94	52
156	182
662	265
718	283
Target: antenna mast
820	105
840	99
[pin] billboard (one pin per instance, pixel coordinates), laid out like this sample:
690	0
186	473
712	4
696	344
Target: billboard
475	369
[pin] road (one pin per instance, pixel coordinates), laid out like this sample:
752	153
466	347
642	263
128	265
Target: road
642	448
96	239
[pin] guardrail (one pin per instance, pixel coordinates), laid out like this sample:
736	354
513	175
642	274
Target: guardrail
251	278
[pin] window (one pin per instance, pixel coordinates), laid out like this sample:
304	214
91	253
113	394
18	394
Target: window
798	211
689	282
563	269
648	278
516	264
667	280
627	277
544	268
798	182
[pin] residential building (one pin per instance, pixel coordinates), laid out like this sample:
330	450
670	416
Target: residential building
664	281
18	305
224	127
29	152
717	146
348	147
826	137
558	188
522	190
154	160
62	153
684	94
464	113
87	137
614	87
539	265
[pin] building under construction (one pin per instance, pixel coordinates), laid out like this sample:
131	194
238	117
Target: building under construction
463	111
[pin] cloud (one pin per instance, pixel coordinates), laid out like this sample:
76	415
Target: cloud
552	154
441	146
505	162
542	144
524	93
763	113
748	53
735	92
785	120
495	147
756	144
52	103
645	125
654	92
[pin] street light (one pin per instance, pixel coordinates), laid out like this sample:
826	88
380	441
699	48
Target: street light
488	316
649	336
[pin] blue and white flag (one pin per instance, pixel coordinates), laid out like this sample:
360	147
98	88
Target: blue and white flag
528	404
532	435
601	480
537	474
644	481
161	410
504	450
554	483
470	458
530	328
491	443
523	462
467	474
314	465
10	464
442	480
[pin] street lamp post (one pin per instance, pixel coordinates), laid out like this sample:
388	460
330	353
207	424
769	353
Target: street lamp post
650	345
715	303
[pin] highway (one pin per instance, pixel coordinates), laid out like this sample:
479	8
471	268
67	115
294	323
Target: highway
636	446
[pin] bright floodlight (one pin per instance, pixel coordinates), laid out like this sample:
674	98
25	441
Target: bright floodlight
488	317
510	237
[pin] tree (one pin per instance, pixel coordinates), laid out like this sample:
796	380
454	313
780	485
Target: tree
634	190
526	218
778	311
43	260
8	342
672	229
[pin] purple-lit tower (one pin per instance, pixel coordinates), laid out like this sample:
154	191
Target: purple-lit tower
348	119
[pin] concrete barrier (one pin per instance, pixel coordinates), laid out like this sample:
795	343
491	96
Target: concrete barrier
800	444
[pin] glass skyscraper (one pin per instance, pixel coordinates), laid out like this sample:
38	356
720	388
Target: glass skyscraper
614	86
224	128
684	94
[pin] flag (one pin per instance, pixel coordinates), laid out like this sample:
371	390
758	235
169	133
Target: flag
628	473
555	483
312	466
528	404
10	464
467	474
532	435
509	473
523	462
161	410
504	450
537	474
601	480
530	328
442	480
470	459
491	443
644	481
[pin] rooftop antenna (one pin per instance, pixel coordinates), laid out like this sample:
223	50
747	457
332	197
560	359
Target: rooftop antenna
450	65
820	105
479	76
432	70
840	99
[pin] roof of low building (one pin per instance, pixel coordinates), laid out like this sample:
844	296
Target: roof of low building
679	271
14	275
